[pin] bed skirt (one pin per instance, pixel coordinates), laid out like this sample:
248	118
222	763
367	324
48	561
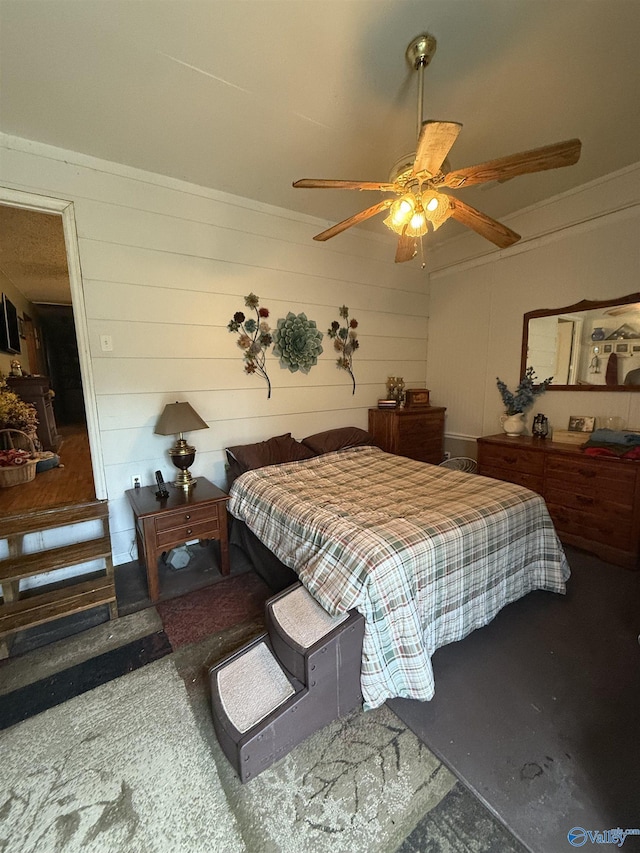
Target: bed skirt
275	574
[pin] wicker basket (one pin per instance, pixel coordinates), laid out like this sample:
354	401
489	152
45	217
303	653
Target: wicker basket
17	474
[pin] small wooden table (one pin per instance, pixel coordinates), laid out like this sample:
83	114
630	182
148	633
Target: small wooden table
200	513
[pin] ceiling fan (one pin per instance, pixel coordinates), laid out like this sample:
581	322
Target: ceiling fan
418	179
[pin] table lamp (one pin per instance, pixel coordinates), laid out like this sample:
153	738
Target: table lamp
174	420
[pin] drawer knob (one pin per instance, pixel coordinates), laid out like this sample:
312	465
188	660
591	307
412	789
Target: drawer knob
189	531
583	499
187	516
586	472
511	460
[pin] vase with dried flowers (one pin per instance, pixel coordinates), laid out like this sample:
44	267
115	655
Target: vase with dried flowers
345	341
516	403
254	337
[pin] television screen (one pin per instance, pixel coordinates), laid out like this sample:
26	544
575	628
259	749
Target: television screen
9	330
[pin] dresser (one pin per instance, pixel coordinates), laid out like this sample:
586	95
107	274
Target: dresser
35	390
416	433
594	501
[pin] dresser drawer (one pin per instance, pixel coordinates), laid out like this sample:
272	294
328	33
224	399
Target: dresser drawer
512	475
413	427
615	481
608	528
593	502
186	517
178	535
519	459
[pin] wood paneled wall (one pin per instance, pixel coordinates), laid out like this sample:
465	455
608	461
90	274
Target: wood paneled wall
166	264
584	244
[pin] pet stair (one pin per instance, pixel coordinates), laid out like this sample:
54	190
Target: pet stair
285	684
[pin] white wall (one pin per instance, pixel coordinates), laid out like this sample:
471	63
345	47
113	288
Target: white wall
166	264
581	245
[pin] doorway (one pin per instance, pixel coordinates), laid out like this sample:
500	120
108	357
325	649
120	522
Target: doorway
59	216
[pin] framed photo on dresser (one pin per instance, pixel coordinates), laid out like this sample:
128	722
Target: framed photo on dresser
581	423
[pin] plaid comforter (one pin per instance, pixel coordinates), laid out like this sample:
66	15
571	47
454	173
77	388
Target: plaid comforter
425	553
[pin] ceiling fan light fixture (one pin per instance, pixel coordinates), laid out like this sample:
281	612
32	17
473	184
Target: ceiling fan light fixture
417	226
420	175
400	213
438	210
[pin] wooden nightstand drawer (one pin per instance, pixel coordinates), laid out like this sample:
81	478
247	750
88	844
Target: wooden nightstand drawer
202	530
186	517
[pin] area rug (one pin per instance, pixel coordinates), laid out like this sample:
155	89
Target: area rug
361	783
134	765
122	767
48	692
199	614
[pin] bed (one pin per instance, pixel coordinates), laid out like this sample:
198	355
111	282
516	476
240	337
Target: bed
426	554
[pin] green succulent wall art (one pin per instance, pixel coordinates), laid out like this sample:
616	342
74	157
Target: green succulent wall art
297	342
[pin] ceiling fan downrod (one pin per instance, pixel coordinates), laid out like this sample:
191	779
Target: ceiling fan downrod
419	54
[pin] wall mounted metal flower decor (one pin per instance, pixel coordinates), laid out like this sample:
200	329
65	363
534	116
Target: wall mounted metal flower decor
296	342
345	342
254	337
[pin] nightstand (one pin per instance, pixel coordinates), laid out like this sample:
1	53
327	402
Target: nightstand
200	513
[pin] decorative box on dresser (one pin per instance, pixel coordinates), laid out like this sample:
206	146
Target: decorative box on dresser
594	501
417	433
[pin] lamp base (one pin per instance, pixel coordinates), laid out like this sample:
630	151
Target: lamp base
185	481
183	455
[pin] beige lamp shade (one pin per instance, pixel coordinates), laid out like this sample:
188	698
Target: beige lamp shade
178	418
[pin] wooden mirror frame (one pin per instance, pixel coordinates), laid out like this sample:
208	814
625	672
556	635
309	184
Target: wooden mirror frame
584	305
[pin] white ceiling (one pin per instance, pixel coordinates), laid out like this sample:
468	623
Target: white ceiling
246	96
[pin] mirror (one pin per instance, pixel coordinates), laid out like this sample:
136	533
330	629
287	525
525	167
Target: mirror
589	346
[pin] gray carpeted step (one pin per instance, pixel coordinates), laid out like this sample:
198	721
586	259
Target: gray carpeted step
284	685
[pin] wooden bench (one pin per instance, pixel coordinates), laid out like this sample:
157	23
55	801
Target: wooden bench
27	609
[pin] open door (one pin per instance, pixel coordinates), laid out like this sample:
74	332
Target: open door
60	220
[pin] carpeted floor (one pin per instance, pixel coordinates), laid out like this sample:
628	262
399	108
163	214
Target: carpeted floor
110	782
538	712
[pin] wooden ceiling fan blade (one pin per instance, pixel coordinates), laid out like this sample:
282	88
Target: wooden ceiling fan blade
436	139
352	220
329	184
406	249
482	224
537	160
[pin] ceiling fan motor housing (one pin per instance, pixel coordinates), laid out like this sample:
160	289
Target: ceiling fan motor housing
421	50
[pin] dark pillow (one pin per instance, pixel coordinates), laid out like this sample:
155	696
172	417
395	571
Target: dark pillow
280	448
337	439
